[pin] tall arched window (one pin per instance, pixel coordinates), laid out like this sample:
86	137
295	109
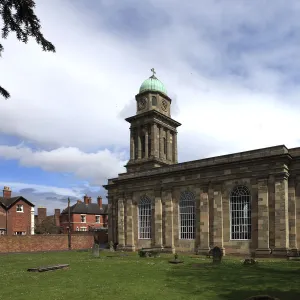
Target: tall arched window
187	216
240	210
145	218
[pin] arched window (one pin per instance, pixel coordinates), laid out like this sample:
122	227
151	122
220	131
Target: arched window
240	213
187	216
145	218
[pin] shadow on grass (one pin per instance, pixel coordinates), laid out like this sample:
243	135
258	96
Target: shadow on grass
234	281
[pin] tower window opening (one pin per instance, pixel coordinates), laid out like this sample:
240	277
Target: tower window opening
154	101
165	145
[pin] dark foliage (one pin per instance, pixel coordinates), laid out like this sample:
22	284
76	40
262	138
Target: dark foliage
18	16
47	226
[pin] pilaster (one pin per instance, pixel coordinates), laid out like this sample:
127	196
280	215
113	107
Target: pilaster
292	209
204	223
263	237
158	238
218	217
130	245
132	144
175	147
161	142
146	143
281	215
169	226
121	230
169	144
297	199
110	218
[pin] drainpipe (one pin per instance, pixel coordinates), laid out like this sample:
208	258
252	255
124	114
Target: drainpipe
6	222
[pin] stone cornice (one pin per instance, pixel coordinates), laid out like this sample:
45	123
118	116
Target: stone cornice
155	115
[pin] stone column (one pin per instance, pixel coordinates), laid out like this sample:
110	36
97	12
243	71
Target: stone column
154	140
32	221
158	238
218	218
132	144
146	143
139	144
175	147
161	142
281	215
292	208
204	224
169	230
169	151
263	237
121	233
130	245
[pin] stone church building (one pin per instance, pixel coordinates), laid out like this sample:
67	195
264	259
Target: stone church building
243	202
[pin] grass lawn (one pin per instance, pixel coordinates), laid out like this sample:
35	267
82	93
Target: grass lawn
133	278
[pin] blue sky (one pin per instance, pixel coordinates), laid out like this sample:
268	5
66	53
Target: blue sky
231	68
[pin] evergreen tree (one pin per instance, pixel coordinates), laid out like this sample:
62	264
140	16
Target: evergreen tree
18	16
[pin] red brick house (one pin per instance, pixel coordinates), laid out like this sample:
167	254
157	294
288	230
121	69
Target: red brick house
85	216
16	214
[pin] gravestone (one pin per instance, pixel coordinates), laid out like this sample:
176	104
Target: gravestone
111	246
217	255
96	250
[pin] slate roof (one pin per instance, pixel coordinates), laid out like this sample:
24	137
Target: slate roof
8	202
89	209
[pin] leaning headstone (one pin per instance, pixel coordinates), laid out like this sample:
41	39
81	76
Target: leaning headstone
96	250
217	255
111	246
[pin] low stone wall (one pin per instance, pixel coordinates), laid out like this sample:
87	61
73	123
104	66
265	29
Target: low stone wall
50	242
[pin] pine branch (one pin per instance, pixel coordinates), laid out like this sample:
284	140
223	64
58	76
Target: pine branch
18	16
4	93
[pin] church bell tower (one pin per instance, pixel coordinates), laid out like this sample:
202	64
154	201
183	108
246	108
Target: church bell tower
153	134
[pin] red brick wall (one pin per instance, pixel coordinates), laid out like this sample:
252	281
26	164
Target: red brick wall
76	222
19	221
35	243
2	217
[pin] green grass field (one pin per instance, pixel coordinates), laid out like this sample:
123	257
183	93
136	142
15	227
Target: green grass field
133	278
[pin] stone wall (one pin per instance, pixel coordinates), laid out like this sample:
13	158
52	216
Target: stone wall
36	243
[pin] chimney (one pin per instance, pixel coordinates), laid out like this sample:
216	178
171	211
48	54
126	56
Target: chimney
56	216
42	214
6	192
90	199
86	199
99	200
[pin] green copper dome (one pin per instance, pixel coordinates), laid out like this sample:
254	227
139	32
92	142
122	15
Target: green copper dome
153	84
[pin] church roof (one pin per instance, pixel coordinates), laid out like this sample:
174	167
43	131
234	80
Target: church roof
153	84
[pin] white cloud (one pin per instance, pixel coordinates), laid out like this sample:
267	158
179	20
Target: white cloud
229	93
95	167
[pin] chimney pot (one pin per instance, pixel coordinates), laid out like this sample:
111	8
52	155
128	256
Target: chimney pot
6	192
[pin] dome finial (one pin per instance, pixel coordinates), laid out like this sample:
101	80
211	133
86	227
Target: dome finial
153	71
